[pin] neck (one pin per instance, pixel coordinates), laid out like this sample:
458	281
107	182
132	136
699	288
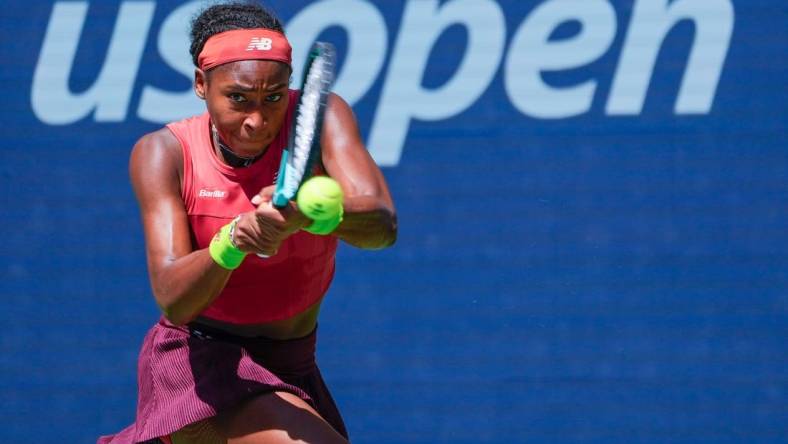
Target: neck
230	157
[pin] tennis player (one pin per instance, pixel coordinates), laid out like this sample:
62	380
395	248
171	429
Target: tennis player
232	359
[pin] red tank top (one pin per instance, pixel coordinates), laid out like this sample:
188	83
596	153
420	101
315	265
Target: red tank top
260	290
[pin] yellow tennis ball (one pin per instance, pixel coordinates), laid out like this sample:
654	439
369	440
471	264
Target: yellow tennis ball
320	198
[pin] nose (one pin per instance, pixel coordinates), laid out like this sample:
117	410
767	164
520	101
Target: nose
255	121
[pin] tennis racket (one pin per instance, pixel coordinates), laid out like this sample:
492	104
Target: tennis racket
303	147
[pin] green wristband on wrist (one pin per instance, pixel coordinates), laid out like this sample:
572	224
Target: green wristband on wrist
325	227
222	249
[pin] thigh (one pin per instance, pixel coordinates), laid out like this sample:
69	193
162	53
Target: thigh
277	417
203	432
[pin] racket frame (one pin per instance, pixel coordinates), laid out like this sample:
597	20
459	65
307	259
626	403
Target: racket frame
321	53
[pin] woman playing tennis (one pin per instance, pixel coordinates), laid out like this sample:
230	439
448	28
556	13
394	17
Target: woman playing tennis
232	359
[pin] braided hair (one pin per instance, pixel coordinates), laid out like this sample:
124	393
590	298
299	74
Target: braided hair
226	17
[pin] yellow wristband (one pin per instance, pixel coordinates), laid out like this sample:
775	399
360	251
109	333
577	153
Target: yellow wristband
223	250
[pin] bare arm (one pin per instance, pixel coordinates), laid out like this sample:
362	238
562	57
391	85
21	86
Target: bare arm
184	282
370	218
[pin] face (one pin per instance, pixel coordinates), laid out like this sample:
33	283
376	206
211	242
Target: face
247	101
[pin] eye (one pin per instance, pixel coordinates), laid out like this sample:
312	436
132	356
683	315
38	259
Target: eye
236	97
273	97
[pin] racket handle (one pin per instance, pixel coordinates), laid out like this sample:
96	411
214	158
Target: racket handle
266	256
279	200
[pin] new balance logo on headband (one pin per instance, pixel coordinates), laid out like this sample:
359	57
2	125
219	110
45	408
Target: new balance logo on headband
260	44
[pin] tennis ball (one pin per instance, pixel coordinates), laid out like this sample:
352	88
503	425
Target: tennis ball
320	198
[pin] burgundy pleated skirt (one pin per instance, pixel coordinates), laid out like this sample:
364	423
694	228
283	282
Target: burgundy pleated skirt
190	373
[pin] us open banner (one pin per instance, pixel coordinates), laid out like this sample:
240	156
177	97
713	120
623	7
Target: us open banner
520	56
591	196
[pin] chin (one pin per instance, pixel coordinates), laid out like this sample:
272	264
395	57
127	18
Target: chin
251	148
250	145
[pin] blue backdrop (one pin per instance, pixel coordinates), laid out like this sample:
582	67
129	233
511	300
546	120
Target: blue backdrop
592	198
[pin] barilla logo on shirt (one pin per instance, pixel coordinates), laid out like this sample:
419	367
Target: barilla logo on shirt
215	194
259	44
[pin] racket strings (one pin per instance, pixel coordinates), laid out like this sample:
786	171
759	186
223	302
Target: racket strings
315	88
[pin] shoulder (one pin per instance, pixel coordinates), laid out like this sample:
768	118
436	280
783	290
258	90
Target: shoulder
161	137
156	158
160	145
340	128
339	115
337	103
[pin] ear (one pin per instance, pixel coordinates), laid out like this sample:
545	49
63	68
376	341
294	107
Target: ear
200	83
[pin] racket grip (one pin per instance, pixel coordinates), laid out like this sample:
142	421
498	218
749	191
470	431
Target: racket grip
279	200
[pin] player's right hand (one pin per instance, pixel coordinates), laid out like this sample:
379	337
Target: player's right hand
262	231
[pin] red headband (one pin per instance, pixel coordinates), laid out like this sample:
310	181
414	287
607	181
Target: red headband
244	44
